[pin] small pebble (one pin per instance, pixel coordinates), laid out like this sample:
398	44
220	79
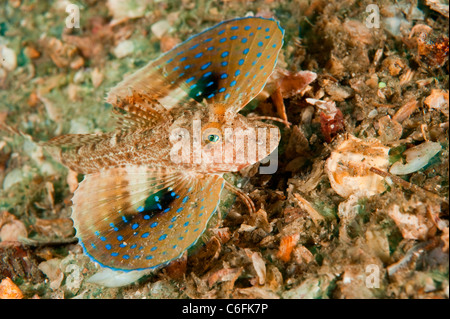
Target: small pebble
9	290
160	28
8	58
123	49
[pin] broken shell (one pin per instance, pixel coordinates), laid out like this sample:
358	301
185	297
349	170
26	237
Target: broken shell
416	158
412	220
291	83
441	7
349	166
405	111
438	99
53	272
260	267
11	229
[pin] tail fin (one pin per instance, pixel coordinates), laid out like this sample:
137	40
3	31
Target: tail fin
54	152
13	131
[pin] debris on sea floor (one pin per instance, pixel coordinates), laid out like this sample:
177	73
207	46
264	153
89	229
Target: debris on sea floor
438	99
416	158
9	290
349	166
11	228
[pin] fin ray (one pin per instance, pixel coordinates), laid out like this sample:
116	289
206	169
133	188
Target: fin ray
227	64
149	226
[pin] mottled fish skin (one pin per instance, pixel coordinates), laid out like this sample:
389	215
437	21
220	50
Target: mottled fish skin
136	208
151	146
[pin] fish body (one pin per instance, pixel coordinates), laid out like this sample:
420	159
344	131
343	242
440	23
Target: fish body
153	146
151	185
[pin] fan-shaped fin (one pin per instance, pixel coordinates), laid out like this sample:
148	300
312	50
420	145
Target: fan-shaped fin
138	218
228	64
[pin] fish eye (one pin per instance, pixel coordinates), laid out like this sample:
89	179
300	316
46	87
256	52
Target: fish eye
213	138
212	135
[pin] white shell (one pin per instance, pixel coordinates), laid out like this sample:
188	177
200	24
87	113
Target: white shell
416	158
8	58
113	278
349	166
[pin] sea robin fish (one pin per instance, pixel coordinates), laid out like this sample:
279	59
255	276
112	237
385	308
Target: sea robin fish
142	204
